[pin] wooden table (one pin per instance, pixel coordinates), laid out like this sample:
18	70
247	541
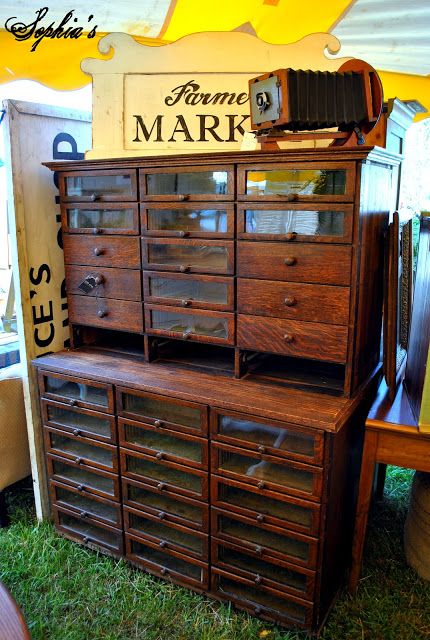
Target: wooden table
12	623
391	437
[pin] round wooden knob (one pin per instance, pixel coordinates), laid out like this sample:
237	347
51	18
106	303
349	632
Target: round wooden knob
76	432
163	571
160	486
257	579
78	460
289	338
80	487
258	550
159	455
99	280
161	515
261	449
85	539
184	234
186	334
73	403
260	517
185	303
291	197
184	268
102	313
289	237
257	611
94	196
84	514
184	196
97	230
290	261
98	251
290	301
261	485
162	544
158	423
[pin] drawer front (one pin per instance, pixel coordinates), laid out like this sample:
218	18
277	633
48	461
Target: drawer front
187	183
91	508
82	451
187	290
266	572
164	475
111	219
93	534
319	264
167	535
167	563
162	412
107	313
190	324
106	282
264	541
104	185
80	422
293	301
189	256
169	507
307	182
91	481
209	220
267	436
267	472
104	251
265	507
293	222
313	340
78	392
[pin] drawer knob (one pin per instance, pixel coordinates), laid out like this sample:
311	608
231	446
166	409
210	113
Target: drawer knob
184	234
289	237
186	334
98	251
257	611
85	539
290	261
160	486
185	303
184	268
84	514
161	515
78	460
94	197
289	338
259	550
260	517
291	197
261	449
162	544
159	455
290	301
261	485
97	230
99	280
73	403
163	571
76	432
184	196
257	579
158	423
80	487
102	313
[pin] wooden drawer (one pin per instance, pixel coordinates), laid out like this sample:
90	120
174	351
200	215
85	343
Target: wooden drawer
188	256
80	422
320	264
265	541
187	290
169	507
209	220
94	535
192	183
273	573
107	313
97	219
162	412
91	508
293	300
167	535
163	444
78	392
121	284
82	451
263	506
266	472
267	436
104	251
92	481
164	475
169	564
214	327
100	185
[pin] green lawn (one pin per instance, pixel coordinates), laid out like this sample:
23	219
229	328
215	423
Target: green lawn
70	593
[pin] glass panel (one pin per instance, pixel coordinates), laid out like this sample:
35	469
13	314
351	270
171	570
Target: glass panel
83	503
307	223
162	410
169	534
192	220
84	528
161	441
84	477
195	182
162	502
68	418
101	218
188	323
212	257
304	182
189	289
263	568
81	449
263	538
86	185
259	597
266	506
268	435
281	474
167	561
164	474
76	391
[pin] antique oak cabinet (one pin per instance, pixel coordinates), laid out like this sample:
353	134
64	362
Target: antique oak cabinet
225	315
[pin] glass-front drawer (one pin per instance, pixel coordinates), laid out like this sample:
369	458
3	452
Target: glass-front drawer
103	185
163	443
192	324
188	256
188	183
267	436
179	415
92	481
78	392
112	219
86	506
90	533
186	220
187	290
166	534
164	475
324	223
81	450
325	182
79	421
267	472
166	506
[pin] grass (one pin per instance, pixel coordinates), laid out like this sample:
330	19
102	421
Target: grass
70	593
